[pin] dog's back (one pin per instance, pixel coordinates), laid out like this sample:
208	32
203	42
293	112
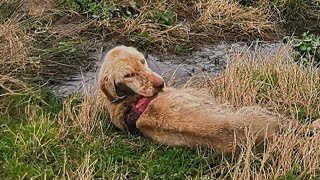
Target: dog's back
185	117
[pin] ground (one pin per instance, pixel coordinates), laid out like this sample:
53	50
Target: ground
46	43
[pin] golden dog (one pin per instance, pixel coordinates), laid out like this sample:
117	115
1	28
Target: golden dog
139	102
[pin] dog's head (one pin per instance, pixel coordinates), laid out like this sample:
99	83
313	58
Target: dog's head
125	73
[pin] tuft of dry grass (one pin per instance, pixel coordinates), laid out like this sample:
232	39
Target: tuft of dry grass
295	15
15	62
86	169
289	156
143	30
16	65
36	7
277	83
229	20
81	112
284	87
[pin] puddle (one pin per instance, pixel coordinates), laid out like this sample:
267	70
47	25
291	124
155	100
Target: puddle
178	69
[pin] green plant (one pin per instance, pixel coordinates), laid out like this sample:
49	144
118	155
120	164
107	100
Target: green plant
303	115
182	49
307	48
141	40
166	17
41	101
101	9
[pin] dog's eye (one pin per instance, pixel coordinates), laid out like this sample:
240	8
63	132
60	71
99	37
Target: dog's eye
129	75
143	61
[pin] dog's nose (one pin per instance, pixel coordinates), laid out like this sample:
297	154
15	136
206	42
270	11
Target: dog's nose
160	87
158	83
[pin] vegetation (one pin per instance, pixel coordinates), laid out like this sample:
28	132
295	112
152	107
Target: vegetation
295	14
43	136
307	48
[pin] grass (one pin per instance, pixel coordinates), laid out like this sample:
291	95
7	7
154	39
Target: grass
73	139
45	137
282	87
297	14
45	146
306	48
164	25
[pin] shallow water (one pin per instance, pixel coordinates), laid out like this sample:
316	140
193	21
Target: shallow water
177	69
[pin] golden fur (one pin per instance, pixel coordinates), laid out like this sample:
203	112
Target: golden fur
179	117
125	65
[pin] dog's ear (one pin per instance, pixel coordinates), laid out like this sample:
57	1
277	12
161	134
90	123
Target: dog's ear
108	87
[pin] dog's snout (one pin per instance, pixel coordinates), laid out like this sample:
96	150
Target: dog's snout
158	83
160	86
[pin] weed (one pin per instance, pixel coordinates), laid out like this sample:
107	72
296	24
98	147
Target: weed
31	104
307	48
142	40
304	114
102	9
167	18
182	49
172	22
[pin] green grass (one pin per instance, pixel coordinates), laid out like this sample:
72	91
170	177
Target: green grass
32	148
35	144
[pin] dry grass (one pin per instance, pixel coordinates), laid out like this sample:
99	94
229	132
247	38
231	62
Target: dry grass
86	169
194	22
276	83
15	63
284	87
295	15
81	113
229	20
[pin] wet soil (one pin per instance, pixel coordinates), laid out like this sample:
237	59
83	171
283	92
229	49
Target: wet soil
176	69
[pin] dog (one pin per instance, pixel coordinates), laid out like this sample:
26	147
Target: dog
139	102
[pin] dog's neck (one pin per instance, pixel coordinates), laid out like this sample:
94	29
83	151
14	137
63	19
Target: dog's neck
133	107
131	116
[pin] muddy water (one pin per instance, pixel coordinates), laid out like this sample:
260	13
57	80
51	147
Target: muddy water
177	69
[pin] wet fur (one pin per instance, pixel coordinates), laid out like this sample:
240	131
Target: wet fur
179	117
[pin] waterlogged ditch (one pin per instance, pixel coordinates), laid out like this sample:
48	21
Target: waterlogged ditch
176	69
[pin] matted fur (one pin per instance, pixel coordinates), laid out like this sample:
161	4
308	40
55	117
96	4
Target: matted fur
180	117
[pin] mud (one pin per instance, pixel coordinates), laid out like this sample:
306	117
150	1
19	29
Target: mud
177	69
